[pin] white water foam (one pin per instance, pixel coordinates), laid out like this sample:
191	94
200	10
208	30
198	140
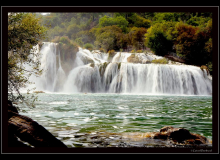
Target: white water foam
93	73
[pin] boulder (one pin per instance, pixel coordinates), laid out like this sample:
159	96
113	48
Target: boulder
133	59
11	107
179	135
24	129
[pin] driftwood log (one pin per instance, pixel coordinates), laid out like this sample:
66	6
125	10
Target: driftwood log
24	129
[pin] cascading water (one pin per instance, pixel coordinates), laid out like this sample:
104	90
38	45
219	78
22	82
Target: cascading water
53	75
96	72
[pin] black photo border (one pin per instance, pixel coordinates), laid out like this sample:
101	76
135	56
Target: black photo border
215	111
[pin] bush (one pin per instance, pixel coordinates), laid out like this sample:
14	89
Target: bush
139	21
120	21
194	44
111	53
88	46
136	36
68	52
209	64
101	50
160	61
159	44
79	41
64	39
139	51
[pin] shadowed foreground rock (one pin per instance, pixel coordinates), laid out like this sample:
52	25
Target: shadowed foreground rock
24	132
180	135
22	128
167	137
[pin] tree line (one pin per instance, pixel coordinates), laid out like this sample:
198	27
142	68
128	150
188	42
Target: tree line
189	35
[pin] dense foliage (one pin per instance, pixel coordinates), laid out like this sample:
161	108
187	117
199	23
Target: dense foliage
189	35
24	32
67	50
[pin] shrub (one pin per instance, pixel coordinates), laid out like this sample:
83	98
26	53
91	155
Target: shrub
136	36
101	50
139	51
139	21
209	64
68	52
120	21
79	41
64	39
111	53
88	46
159	43
160	61
204	67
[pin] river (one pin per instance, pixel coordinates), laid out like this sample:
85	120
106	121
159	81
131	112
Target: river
67	115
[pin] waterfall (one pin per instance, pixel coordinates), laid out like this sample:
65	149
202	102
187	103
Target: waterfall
53	75
95	72
141	78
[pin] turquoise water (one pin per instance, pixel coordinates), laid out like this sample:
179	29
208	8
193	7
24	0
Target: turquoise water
66	114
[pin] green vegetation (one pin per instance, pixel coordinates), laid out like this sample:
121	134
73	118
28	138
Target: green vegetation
88	46
68	52
139	51
24	32
101	50
191	39
160	61
111	54
187	34
194	43
119	21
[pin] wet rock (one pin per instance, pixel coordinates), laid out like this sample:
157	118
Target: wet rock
12	108
179	135
168	136
79	135
24	129
133	59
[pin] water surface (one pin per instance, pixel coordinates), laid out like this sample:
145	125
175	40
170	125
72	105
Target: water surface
66	115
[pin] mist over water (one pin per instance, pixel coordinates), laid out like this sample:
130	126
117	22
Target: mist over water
96	72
